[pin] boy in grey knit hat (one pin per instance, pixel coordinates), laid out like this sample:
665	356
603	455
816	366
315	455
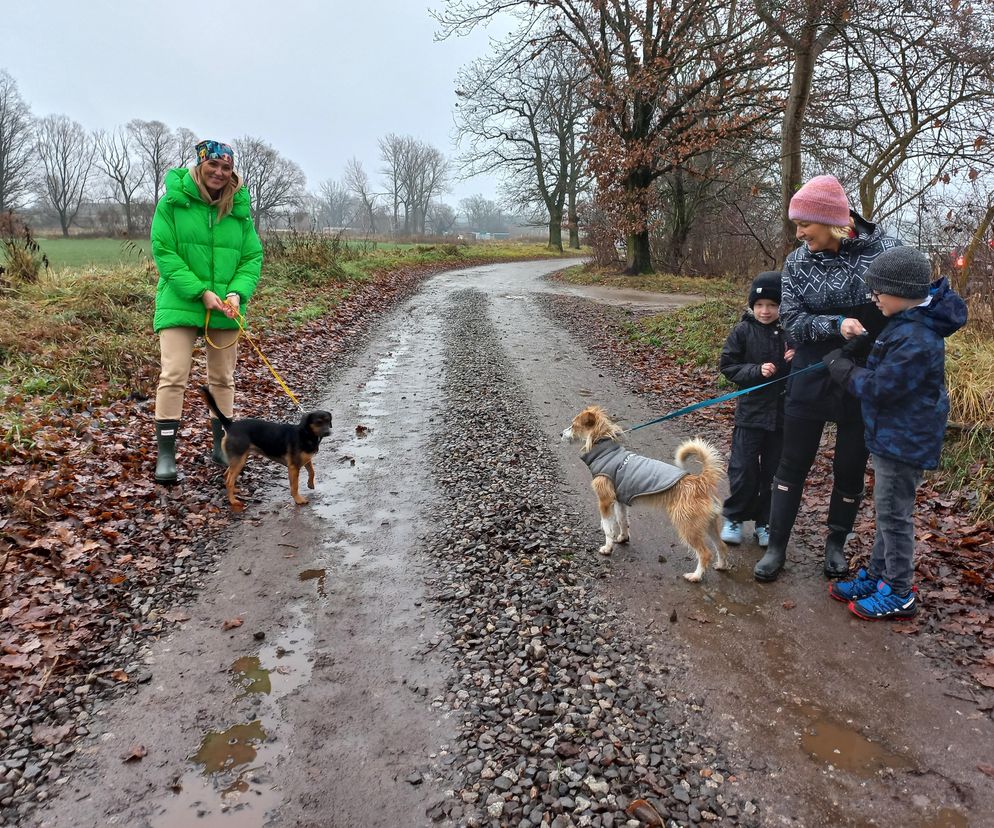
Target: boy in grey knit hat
905	408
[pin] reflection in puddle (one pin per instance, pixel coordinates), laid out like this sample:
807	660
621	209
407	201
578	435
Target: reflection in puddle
228	784
227	749
846	748
251	676
315	575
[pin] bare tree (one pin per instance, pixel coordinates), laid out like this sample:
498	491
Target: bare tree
668	82
66	153
186	142
116	158
156	147
337	203
275	183
415	173
912	102
483	215
805	28
357	183
16	144
523	118
441	218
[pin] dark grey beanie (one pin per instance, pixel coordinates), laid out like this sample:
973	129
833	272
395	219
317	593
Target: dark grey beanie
900	271
765	286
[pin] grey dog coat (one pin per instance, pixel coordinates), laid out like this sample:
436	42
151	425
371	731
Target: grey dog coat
632	475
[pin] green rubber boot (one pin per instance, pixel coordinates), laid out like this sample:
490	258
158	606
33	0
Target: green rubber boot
217	453
166	432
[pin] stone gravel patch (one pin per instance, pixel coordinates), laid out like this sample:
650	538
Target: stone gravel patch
564	720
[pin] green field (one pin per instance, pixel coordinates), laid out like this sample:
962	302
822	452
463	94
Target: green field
93	252
77	253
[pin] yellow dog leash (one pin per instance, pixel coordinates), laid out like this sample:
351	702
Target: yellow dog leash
242	331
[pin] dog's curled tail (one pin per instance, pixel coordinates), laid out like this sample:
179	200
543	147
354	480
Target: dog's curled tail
212	403
712	469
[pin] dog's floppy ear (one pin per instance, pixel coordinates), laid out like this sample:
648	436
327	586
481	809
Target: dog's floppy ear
587	419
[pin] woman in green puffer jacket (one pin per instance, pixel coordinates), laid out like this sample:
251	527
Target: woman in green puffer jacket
205	247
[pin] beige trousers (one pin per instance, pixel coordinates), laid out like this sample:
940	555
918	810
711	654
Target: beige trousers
176	349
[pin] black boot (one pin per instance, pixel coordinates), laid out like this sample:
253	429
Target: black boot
842	511
783	511
217	453
165	438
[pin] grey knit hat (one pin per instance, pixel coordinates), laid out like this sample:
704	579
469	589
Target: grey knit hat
900	271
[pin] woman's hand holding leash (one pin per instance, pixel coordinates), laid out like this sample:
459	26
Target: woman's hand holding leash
767	369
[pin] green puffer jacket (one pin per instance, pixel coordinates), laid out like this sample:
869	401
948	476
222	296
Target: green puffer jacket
195	253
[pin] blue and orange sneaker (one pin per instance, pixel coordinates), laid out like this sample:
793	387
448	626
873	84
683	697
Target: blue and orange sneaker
885	603
862	586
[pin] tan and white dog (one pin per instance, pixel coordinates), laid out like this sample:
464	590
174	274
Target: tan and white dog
620	477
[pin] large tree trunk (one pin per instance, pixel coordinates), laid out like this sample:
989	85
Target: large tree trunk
556	229
639	254
639	250
805	56
572	221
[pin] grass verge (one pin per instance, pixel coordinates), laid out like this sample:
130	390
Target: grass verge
709	286
84	335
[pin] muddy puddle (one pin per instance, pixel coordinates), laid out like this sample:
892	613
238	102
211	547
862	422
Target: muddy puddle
228	781
315	575
843	747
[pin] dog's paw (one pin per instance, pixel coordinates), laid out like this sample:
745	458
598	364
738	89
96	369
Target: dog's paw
605	549
237	506
623	539
722	566
693	577
301	501
310	484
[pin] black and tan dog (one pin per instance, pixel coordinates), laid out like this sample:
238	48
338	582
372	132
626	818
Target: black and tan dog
291	445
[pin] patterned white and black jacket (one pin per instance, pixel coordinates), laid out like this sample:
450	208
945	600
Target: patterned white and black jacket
818	291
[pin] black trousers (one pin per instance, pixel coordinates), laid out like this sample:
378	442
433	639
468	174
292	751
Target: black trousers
801	439
755	457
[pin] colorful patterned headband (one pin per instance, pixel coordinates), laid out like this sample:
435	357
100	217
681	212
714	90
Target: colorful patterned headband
207	150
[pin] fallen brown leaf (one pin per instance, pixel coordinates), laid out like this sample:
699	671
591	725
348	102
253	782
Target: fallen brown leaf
119	675
135	753
643	811
986	769
231	624
984	676
789	604
175	616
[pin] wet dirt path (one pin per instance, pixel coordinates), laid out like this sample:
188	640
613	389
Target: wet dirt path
329	719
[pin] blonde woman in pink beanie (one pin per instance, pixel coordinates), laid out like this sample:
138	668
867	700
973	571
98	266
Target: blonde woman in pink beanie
824	304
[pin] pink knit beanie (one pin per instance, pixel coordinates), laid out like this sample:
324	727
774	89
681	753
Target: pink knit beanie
821	200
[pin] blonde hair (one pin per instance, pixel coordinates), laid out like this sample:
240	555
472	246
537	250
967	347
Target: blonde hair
841	232
225	199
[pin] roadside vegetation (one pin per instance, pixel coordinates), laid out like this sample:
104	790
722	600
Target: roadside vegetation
80	335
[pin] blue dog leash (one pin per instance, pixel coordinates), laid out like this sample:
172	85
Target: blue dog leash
723	398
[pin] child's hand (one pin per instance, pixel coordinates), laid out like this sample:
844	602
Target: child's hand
768	369
788	354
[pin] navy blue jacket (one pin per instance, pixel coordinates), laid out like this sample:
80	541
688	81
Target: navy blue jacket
903	386
817	289
749	345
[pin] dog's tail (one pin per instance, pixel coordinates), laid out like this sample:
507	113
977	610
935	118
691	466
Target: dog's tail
712	469
212	403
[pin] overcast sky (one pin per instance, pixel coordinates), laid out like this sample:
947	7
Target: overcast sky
321	81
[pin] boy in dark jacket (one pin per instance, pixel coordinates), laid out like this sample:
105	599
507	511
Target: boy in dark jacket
755	353
905	408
